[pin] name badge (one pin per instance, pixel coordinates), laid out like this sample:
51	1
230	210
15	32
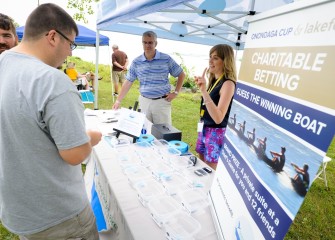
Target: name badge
200	126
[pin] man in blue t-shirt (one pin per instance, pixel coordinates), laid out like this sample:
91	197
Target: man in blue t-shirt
152	69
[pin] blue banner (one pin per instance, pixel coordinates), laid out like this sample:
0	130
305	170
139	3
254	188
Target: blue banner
312	125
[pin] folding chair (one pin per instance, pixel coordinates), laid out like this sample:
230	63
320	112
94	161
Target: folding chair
86	96
322	171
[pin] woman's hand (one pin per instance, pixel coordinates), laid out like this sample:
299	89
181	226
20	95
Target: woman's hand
201	81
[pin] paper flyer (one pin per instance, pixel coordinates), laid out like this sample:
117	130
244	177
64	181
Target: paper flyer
130	122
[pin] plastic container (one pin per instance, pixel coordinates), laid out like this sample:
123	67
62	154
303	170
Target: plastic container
168	153
142	147
115	142
181	226
137	173
193	200
147	190
160	170
174	183
180	163
127	159
163	208
146	153
165	151
193	180
160	143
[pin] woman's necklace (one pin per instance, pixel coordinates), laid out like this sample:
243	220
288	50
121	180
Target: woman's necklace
216	82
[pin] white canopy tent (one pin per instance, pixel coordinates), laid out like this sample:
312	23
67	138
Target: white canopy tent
207	22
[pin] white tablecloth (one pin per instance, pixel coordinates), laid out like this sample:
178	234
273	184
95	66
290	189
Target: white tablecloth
119	200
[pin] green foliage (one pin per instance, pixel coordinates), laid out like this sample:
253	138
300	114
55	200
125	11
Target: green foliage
5	235
83	7
185	116
316	217
189	74
16	24
82	67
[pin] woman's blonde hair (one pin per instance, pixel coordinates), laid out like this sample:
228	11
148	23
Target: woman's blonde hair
226	53
70	65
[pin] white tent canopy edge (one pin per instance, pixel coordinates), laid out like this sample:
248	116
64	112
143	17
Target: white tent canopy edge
207	22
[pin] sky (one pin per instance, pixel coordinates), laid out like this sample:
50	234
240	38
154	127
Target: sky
197	60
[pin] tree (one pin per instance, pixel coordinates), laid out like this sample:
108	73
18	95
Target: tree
83	7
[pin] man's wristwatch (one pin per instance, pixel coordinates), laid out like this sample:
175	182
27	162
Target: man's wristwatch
176	92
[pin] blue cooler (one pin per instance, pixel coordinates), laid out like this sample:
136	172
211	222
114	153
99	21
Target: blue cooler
86	96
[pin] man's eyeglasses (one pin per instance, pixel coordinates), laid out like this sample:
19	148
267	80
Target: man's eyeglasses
149	43
73	45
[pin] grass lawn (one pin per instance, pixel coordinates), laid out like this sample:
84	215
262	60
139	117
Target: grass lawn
316	218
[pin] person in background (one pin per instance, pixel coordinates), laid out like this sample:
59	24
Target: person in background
120	64
232	121
8	36
90	77
152	69
78	79
302	176
242	127
43	139
278	159
216	102
261	148
251	136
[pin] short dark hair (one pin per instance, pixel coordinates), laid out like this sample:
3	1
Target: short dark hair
47	17
306	167
150	34
7	23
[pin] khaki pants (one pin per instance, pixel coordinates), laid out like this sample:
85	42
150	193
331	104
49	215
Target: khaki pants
157	111
118	77
80	227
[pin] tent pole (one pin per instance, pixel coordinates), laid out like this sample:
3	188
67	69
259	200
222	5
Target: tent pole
96	81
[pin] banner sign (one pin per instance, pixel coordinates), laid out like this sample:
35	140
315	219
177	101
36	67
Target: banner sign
281	123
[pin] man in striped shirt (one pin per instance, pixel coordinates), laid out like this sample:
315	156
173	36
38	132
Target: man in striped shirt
152	69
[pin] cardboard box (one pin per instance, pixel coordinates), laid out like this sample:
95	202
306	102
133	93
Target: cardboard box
166	132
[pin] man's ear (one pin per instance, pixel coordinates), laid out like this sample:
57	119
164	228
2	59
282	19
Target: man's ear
16	40
51	37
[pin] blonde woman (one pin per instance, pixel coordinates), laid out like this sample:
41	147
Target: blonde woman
217	97
78	79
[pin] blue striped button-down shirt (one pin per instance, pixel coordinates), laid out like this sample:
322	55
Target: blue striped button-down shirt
154	74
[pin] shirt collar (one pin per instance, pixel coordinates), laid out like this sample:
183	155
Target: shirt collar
157	56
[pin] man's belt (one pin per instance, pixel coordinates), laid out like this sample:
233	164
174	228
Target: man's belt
156	97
